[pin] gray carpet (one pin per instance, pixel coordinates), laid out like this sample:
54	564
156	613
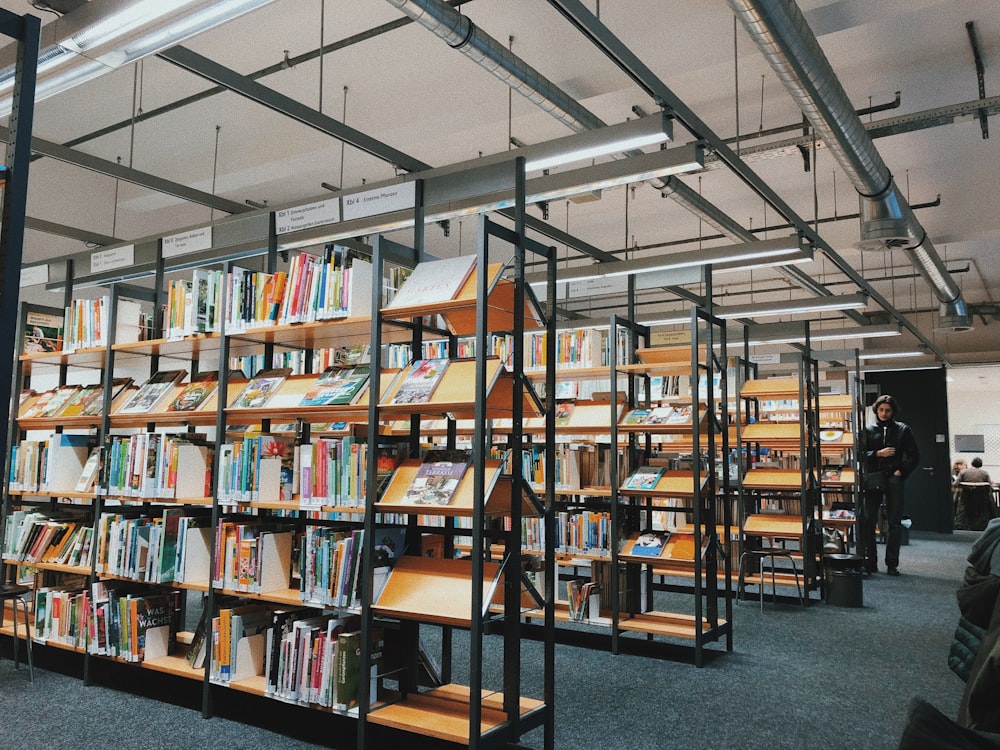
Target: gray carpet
819	677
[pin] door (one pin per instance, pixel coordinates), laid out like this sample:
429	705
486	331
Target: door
923	404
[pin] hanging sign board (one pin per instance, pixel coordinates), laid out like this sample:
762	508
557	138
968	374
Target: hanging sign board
110	260
33	275
308	216
766	359
595	287
380	200
187	242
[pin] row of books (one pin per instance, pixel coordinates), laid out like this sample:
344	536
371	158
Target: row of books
583	532
251	557
329	565
54	464
33	537
170	547
148	465
70	400
131	623
62	614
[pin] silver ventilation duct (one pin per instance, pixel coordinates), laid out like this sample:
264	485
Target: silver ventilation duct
460	33
887	221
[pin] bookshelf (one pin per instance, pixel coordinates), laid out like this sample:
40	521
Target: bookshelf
476	586
782	486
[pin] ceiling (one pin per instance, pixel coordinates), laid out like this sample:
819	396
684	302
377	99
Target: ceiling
399	84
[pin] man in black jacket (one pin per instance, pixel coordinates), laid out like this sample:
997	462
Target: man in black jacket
890	456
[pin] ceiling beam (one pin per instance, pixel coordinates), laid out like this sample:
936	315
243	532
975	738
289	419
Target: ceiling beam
246	87
136	177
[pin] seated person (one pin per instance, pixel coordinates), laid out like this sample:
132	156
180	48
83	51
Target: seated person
975	507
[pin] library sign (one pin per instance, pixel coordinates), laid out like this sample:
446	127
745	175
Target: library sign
380	201
308	216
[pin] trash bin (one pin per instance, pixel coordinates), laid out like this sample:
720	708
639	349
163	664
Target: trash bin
844	580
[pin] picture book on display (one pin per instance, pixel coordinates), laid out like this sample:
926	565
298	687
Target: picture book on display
93	404
564	409
420	380
194	394
153	392
644	478
438	477
659	415
647	544
43	333
261	387
336	386
681	415
831	474
74	406
434	281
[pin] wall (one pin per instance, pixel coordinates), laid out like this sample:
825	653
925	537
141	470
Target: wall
974	409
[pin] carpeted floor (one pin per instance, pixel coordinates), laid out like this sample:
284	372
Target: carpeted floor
819	677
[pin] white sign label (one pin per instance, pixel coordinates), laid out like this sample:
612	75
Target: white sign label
766	359
33	275
595	287
380	200
308	216
187	242
109	260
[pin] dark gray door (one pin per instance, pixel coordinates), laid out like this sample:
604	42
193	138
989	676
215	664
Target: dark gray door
923	403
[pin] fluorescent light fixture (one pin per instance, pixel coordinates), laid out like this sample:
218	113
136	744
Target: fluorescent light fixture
822	334
613	139
901	368
741	252
890	355
102	35
810	305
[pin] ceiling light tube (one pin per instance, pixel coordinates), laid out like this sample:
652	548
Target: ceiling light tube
810	305
742	252
890	355
613	139
102	35
824	334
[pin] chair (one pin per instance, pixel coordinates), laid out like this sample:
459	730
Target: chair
761	554
17	594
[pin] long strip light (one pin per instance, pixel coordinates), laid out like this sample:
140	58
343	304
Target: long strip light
789	307
824	334
890	355
741	252
613	139
103	35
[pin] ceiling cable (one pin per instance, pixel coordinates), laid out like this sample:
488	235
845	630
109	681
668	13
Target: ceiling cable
215	170
343	144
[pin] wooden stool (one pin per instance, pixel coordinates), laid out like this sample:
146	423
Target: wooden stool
18	594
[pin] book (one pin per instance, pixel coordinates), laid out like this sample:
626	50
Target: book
337	387
261	387
434	281
196	392
659	415
681	415
89	474
93	404
62	396
153	392
644	478
438	477
636	416
564	409
43	332
831	474
419	381
74	406
646	544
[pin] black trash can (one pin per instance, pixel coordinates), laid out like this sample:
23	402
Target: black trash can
844	580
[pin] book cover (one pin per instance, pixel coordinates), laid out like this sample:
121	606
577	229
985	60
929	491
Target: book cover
93	404
74	406
434	281
659	415
152	393
337	387
636	416
261	388
647	544
43	333
62	396
681	415
831	474
420	381
644	478
195	393
564	409
438	477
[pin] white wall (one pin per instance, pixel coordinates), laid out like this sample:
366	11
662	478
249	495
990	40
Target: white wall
974	409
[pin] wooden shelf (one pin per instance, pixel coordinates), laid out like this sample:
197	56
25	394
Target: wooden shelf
256	685
499	493
674	625
189	347
288	597
436	590
92	358
175	665
673	483
773	479
455	395
459	313
771	388
774	526
443	713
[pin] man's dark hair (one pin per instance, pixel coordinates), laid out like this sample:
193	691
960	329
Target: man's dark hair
886	399
977	462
